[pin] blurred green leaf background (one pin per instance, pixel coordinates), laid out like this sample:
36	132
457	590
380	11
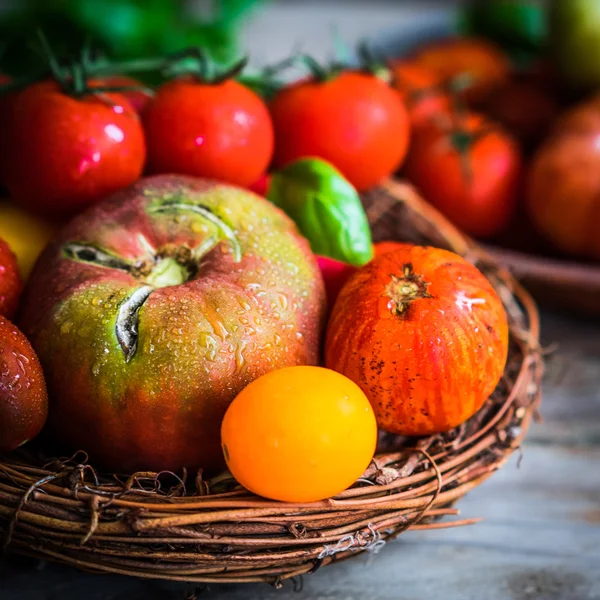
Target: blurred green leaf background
122	29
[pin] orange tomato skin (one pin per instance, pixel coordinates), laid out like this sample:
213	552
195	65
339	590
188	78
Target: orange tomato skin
299	434
429	368
563	183
420	92
355	121
385	247
481	200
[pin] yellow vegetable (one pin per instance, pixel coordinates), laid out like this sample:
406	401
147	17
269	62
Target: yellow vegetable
26	234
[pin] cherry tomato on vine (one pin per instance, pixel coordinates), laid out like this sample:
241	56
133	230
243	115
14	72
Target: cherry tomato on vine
61	153
216	130
469	168
420	90
354	120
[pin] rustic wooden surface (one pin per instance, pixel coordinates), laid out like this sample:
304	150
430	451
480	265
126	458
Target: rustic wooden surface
540	538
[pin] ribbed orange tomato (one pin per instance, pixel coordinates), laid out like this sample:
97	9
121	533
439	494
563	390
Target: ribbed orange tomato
424	335
299	434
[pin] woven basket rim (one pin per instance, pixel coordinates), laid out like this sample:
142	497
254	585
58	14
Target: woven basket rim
205	531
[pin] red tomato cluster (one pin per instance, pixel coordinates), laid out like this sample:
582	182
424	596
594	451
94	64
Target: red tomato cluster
61	152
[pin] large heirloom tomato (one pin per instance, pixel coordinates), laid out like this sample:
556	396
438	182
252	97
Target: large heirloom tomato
424	335
153	309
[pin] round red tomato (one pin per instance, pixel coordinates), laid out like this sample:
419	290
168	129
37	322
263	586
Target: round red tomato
470	170
61	153
354	120
219	131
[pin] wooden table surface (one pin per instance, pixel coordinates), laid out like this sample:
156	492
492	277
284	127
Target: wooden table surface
540	538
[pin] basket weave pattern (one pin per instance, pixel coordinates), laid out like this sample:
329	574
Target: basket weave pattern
210	530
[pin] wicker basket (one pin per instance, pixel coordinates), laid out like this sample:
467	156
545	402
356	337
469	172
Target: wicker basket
191	529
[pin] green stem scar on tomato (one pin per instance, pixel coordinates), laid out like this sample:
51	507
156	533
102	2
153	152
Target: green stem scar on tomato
326	208
171	266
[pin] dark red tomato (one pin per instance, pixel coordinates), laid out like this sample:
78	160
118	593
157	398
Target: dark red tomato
469	170
11	283
139	99
219	131
23	394
355	121
61	154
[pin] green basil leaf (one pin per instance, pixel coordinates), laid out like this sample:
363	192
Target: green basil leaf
326	208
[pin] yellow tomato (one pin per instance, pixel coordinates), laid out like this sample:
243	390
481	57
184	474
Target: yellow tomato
26	234
299	434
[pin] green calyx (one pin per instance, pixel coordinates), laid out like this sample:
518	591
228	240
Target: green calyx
370	62
73	75
326	208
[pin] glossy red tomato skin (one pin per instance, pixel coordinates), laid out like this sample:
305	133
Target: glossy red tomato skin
11	283
61	154
355	121
23	394
218	131
477	192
